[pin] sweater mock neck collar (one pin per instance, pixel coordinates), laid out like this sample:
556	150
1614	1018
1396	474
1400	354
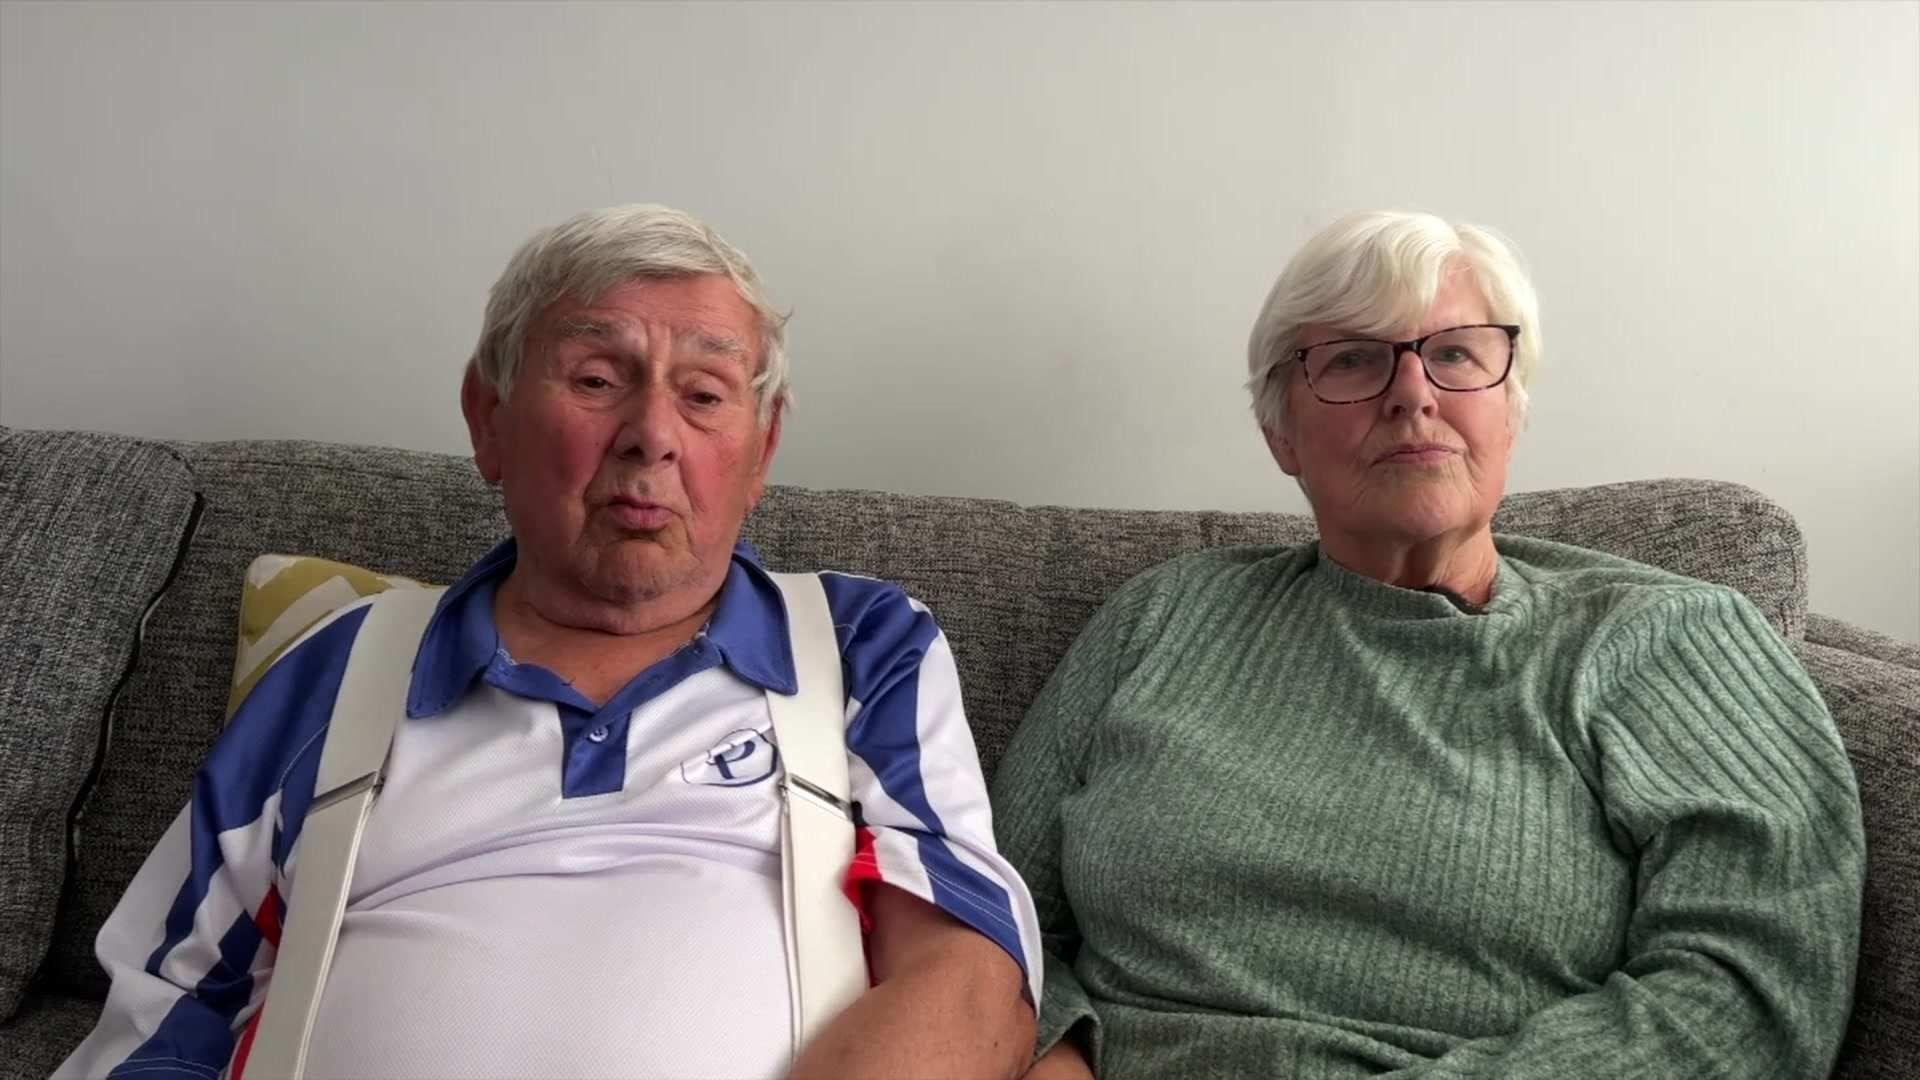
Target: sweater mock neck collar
1391	601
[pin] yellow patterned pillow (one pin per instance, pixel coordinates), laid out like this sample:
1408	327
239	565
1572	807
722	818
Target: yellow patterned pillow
286	594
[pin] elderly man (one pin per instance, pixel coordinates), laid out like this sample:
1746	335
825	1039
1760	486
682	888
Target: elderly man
574	868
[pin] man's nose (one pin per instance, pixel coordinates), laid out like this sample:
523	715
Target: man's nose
1410	391
650	427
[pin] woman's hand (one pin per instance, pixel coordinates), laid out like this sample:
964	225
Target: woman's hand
1063	1062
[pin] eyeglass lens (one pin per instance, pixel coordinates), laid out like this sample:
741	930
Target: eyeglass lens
1464	358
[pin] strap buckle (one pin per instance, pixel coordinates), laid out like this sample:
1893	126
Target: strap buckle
827	799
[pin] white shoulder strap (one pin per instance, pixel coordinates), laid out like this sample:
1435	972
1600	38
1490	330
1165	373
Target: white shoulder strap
826	959
372	698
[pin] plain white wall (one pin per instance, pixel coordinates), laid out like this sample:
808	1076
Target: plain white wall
1023	244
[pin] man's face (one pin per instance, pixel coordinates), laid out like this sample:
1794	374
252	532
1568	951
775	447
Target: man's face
630	449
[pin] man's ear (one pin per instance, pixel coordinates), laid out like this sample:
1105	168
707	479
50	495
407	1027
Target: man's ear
770	441
479	402
1281	448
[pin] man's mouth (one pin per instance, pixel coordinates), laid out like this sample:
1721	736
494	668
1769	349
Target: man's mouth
639	515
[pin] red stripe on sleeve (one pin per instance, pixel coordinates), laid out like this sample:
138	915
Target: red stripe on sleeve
862	871
239	1067
266	917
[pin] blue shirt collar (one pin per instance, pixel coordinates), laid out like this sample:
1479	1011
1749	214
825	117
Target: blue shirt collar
748	628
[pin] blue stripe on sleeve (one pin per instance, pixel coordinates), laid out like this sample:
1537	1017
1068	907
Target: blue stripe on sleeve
229	983
883	639
972	897
192	1040
273	744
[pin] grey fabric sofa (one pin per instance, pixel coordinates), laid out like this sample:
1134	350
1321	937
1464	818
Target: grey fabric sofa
120	575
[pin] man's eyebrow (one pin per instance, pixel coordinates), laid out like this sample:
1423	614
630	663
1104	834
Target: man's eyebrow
713	344
579	326
721	344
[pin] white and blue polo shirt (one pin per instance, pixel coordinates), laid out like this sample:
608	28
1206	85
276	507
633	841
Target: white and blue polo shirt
547	888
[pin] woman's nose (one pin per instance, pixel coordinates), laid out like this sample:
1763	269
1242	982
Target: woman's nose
1410	389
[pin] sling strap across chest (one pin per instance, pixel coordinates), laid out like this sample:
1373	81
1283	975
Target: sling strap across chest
826	963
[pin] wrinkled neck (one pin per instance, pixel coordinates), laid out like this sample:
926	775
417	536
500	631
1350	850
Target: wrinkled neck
1462	569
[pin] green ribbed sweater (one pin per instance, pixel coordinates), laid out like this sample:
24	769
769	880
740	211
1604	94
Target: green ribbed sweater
1281	819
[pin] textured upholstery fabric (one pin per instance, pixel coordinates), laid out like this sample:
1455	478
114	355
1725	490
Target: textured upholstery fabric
1840	634
1012	586
1877	708
1719	532
92	525
43	1033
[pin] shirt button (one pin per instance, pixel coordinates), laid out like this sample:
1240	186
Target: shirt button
598	734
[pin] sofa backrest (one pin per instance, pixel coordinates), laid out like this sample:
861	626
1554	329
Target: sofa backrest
1011	585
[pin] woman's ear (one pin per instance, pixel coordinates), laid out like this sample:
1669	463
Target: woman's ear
1282	450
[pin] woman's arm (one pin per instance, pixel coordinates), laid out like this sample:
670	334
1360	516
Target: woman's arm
1719	764
1044	766
1063	1062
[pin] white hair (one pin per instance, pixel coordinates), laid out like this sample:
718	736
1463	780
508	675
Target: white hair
585	256
1374	273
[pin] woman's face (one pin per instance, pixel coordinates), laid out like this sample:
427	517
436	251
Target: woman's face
1414	465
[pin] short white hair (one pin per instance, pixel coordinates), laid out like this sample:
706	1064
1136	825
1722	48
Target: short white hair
587	255
1375	272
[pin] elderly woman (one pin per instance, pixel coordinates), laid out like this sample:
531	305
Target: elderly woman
1417	799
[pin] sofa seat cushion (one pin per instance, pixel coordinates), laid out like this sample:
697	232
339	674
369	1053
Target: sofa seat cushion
91	527
44	1032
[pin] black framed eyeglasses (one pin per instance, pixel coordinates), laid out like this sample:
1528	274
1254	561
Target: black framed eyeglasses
1460	359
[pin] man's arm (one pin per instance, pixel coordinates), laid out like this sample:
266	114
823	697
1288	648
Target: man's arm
157	1020
946	1002
946	916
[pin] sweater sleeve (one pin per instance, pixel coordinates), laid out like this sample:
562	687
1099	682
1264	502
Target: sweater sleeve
1722	774
1044	768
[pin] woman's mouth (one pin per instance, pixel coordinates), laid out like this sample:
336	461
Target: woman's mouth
1418	454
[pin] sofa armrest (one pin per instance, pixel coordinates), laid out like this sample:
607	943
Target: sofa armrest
1840	634
1876	706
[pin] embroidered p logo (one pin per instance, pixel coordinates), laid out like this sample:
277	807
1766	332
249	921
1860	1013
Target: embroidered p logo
742	758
